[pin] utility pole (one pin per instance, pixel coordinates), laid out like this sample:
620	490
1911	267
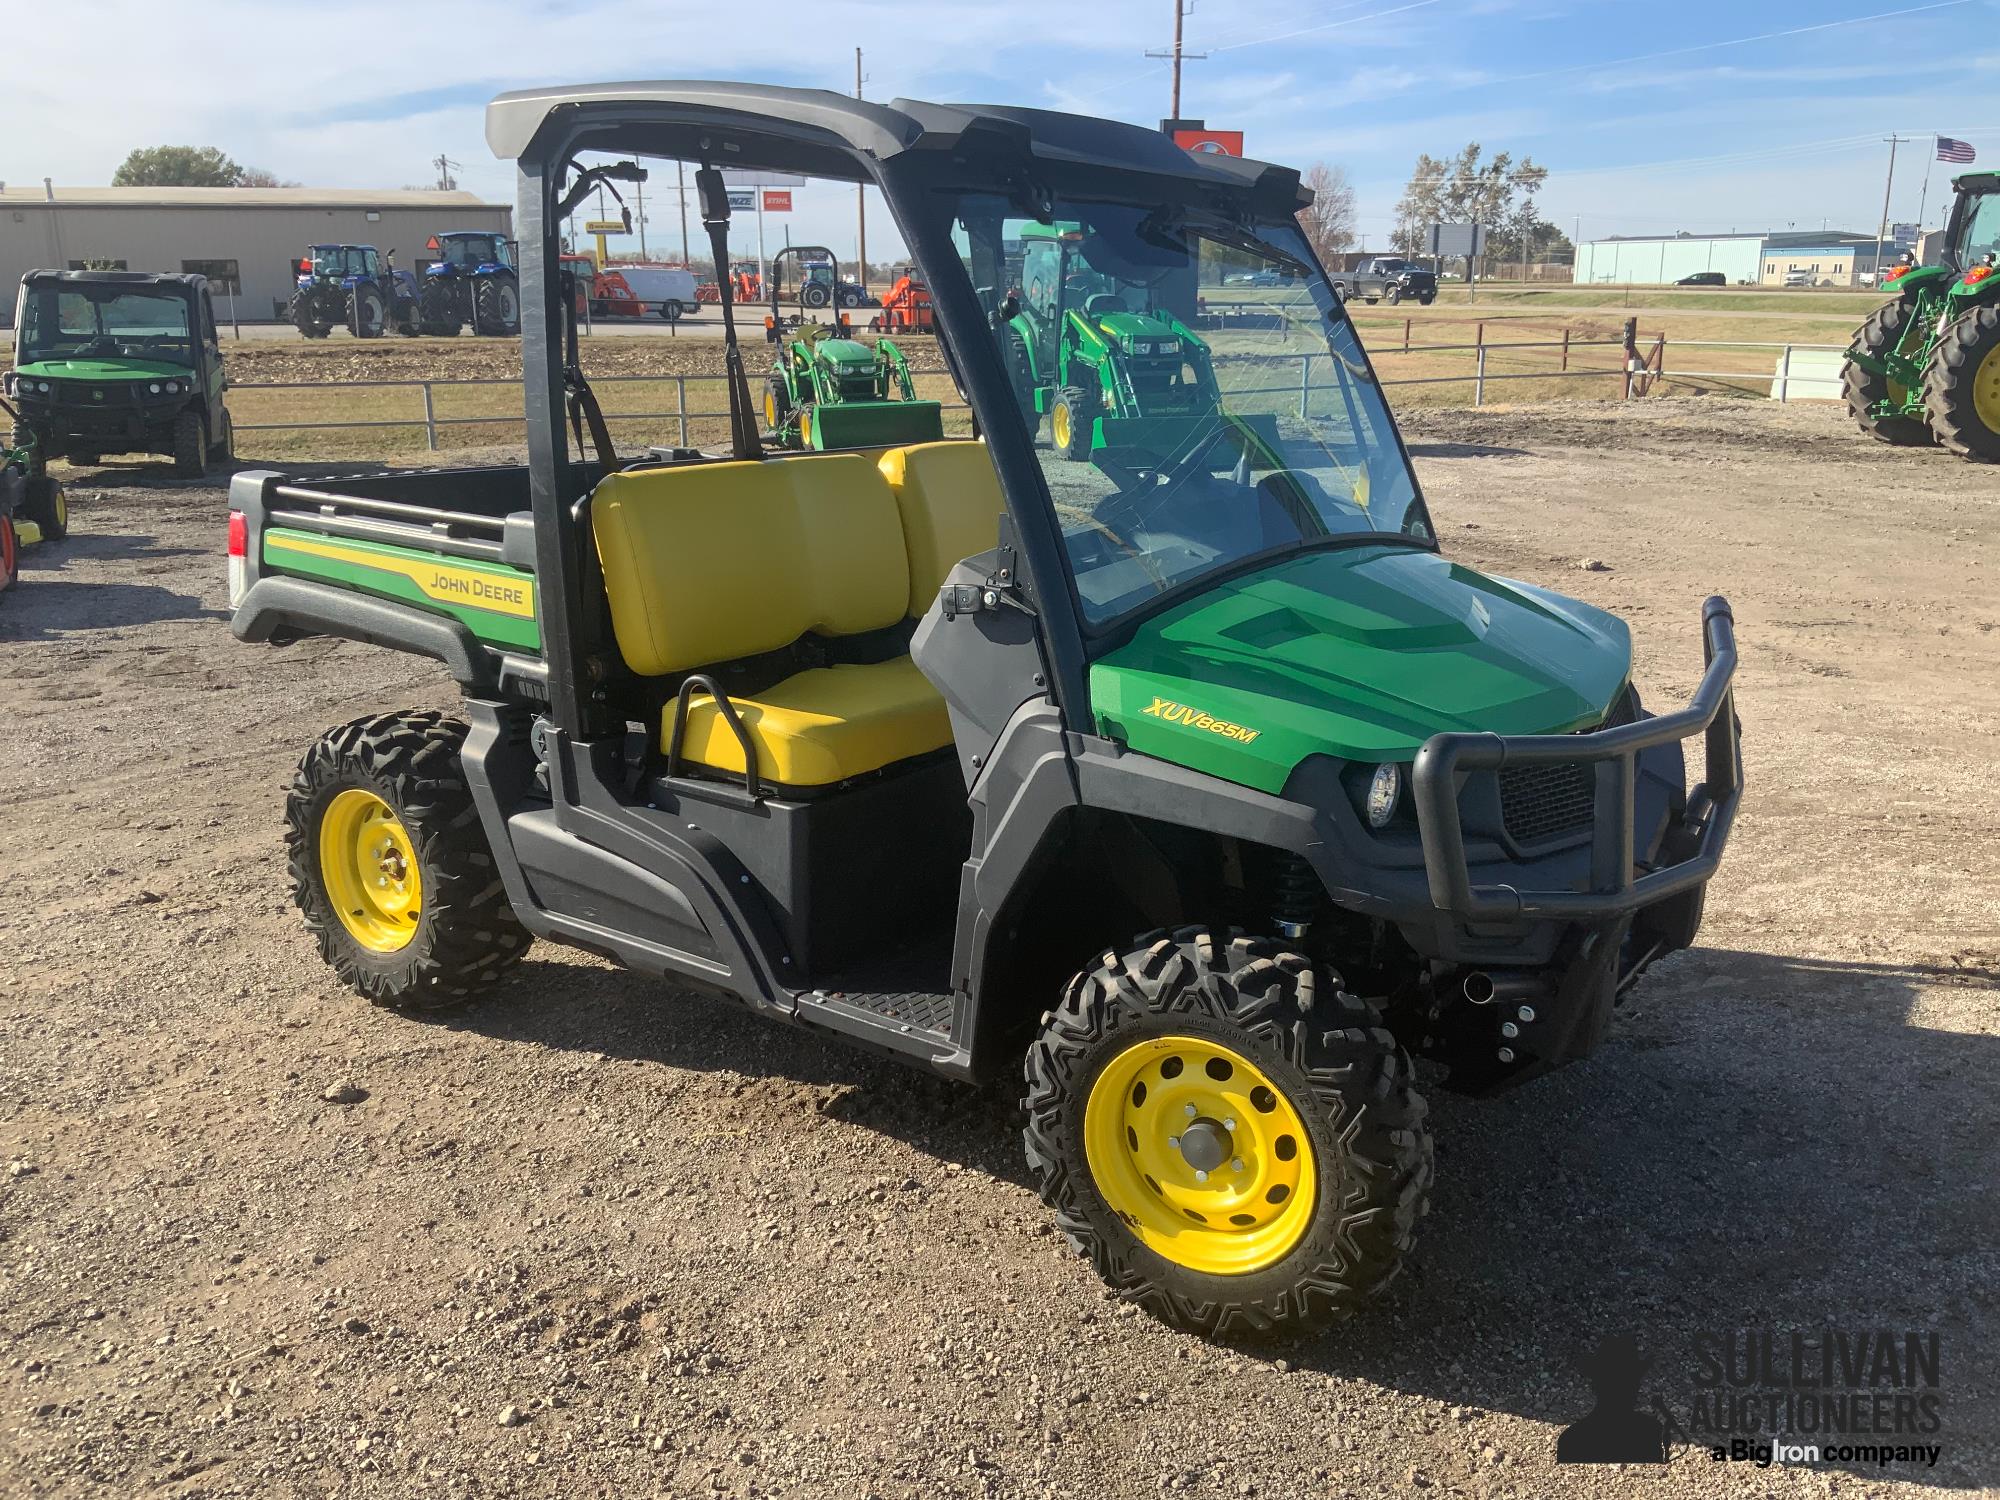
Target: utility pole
1181	8
1882	232
444	164
680	176
860	207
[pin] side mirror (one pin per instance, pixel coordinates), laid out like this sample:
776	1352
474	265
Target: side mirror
1010	308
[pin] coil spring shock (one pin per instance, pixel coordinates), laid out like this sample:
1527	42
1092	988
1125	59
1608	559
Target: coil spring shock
1296	893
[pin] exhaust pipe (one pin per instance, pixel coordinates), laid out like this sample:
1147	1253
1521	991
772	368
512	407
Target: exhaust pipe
1482	988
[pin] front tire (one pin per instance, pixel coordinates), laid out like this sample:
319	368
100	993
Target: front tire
190	445
1880	334
496	307
1232	1140
47	505
1962	385
1071	418
391	868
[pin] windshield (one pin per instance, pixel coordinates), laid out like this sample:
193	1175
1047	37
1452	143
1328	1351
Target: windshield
100	322
1197	395
476	250
341	261
1980	236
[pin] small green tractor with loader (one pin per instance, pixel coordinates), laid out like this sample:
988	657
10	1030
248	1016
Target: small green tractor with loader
826	388
1098	350
1925	366
33	507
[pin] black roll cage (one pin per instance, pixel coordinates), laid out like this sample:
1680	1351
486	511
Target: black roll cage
907	150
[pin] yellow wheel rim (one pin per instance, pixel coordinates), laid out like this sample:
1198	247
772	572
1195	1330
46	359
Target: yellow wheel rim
805	429
61	508
771	410
1059	426
1199	1154
370	870
1986	389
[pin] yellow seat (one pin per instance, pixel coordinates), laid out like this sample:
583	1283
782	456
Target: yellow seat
712	563
823	725
949	499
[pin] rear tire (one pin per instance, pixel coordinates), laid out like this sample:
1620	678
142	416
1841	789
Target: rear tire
1962	385
190	445
47	506
10	554
1306	1057
444	933
1880	334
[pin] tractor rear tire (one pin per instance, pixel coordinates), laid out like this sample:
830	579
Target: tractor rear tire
1962	385
10	553
1071	417
391	867
1880	334
47	506
1299	1199
190	445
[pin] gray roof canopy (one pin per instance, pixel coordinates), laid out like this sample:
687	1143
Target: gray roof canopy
820	132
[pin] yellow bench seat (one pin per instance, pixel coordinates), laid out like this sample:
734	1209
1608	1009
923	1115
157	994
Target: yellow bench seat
821	726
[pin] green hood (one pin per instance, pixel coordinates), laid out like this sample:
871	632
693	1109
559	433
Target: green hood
1123	327
1362	653
104	369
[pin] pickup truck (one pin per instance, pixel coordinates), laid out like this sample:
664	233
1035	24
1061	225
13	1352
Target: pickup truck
1385	278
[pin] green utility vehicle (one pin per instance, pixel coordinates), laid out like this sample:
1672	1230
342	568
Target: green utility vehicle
827	389
1095	345
118	362
1198	794
1925	366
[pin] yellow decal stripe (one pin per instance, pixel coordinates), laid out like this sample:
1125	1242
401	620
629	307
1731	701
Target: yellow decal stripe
502	594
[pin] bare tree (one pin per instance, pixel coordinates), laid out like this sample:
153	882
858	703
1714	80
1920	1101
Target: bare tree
1329	222
259	177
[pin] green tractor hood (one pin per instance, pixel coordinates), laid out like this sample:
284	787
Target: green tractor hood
103	369
1123	327
1361	653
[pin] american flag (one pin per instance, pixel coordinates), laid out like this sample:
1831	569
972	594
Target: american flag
1951	150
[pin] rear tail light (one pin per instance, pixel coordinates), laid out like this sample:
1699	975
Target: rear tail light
239	557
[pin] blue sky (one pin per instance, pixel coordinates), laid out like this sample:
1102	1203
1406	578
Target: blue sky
1702	116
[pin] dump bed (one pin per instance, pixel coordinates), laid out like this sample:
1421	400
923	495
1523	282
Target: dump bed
437	562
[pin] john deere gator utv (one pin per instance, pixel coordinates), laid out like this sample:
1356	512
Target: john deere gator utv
118	362
1203	793
826	388
1925	366
1096	345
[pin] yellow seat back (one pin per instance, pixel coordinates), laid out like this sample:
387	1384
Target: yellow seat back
708	563
949	497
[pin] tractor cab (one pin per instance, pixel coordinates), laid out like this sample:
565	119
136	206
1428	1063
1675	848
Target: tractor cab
469	252
341	264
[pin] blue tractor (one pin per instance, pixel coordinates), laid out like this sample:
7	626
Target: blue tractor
356	287
473	281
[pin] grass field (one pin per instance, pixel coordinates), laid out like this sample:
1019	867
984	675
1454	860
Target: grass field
1852	304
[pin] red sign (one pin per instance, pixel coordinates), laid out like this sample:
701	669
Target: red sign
1214	142
777	201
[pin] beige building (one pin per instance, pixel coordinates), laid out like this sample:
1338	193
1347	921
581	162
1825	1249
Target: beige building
245	240
1819	265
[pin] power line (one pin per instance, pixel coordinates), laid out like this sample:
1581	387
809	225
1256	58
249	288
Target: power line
444	164
1181	8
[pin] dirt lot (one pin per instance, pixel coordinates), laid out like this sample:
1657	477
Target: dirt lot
698	1254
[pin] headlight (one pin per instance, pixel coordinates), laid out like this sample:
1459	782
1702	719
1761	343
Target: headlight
1142	346
173	387
43	387
1168	346
1383	792
154	388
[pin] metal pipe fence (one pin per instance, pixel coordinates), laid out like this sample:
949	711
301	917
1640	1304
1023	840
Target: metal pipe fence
1636	374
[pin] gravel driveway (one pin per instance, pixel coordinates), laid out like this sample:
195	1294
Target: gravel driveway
602	1238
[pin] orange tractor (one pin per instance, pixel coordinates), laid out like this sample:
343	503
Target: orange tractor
906	307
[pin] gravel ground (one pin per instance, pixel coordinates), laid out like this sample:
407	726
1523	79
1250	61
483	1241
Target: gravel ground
599	1237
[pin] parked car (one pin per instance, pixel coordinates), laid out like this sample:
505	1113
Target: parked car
1798	278
1385	278
1704	278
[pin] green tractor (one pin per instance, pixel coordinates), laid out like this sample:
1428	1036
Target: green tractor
33	507
828	390
1926	365
1095	347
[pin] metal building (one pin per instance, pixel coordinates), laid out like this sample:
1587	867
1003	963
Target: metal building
1661	260
245	240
